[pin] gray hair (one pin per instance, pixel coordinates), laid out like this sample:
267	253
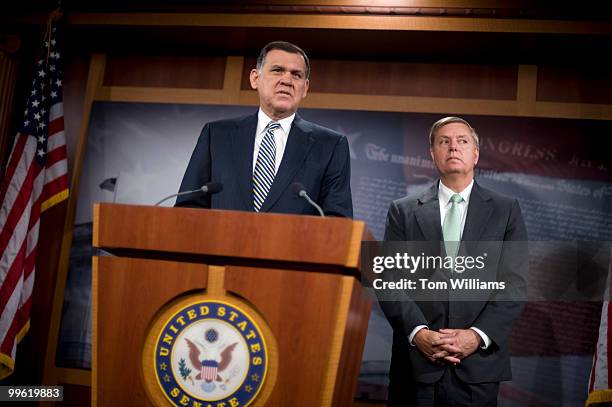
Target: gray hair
283	46
451	119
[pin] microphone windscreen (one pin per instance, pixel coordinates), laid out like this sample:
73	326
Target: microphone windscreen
214	187
297	187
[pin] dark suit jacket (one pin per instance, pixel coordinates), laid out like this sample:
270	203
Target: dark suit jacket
490	217
315	156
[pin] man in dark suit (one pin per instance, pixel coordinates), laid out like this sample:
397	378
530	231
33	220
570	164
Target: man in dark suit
257	158
450	352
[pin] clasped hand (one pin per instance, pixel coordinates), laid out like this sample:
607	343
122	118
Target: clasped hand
447	345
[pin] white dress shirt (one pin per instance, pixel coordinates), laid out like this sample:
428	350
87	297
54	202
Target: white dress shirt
444	196
280	136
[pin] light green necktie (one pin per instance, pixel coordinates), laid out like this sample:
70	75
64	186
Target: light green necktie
451	228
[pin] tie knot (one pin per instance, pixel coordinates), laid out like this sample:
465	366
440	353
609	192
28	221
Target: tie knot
272	126
456	198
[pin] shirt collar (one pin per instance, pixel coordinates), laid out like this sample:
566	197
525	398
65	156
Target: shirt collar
263	120
445	193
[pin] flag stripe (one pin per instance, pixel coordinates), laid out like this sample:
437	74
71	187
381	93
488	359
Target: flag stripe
11	167
37	190
56	126
56	140
592	378
18	178
18	263
22	321
21	207
13	329
56	155
24	313
9	296
10	254
601	378
607	310
53	187
56	175
56	111
21	230
28	276
601	365
31	250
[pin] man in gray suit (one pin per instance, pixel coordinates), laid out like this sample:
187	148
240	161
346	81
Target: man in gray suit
449	352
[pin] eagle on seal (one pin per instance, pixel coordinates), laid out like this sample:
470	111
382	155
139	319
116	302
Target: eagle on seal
210	365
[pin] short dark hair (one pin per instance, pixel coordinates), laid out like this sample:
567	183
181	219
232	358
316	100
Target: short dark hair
283	46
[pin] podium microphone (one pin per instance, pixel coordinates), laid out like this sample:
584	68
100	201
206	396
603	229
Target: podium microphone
300	191
208	188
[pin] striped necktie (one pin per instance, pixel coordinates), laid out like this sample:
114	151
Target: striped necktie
451	228
264	173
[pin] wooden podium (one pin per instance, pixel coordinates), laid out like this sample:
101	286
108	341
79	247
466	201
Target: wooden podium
221	308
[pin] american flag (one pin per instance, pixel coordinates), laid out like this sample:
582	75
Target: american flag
600	382
36	178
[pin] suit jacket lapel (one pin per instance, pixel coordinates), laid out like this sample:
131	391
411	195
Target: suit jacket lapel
428	215
478	214
298	146
243	144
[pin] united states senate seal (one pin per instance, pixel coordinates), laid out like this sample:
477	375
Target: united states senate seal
212	353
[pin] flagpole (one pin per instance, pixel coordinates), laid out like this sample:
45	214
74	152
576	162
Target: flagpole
116	187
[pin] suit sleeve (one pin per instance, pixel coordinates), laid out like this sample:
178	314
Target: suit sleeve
335	198
394	227
401	311
501	311
197	174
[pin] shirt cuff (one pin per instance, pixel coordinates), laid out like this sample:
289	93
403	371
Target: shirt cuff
414	332
485	339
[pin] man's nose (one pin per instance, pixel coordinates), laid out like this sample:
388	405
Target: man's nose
287	78
453	145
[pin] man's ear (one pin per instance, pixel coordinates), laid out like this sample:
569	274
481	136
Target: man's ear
477	154
253	76
306	88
